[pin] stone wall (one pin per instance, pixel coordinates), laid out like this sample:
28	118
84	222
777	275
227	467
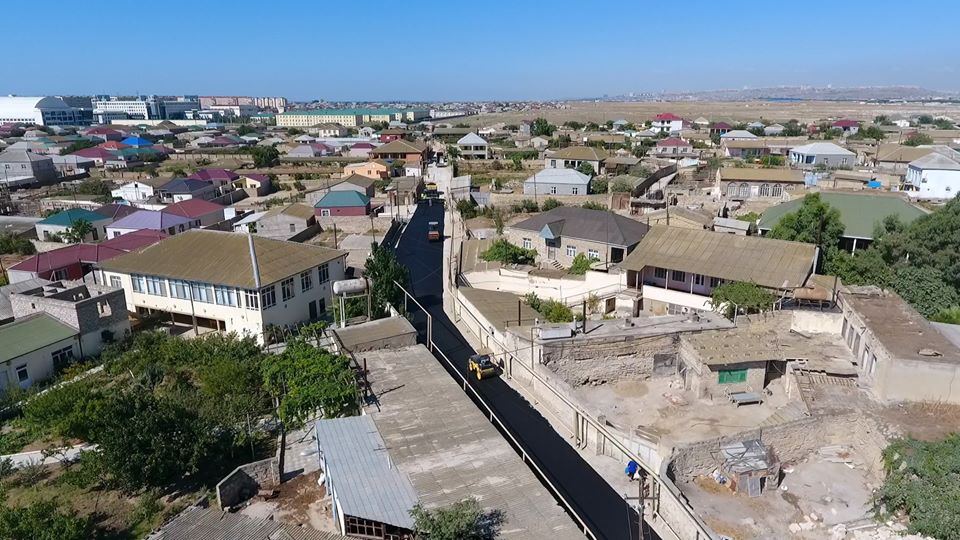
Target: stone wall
791	442
246	480
354	224
606	359
506	199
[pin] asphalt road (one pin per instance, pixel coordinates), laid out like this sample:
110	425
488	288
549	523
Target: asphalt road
604	510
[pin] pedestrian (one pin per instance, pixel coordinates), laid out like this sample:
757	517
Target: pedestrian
632	470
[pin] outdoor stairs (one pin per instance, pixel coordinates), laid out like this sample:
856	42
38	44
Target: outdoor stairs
557	266
794	410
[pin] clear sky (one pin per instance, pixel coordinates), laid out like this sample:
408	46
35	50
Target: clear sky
448	50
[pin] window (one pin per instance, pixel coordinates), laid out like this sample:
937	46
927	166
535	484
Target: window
59	275
251	300
324	211
324	270
527	243
138	285
225	296
115	282
698	279
571	251
306	280
731	190
156	286
677	275
744	190
201	292
777	190
22	374
268	297
593	254
179	289
286	287
765	190
553	190
574	191
714	282
60	357
731	376
660	273
293	227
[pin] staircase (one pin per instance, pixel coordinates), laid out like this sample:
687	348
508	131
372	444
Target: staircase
794	410
557	266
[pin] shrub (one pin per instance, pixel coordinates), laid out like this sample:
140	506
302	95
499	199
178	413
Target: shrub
599	185
591	205
526	206
580	264
549	204
742	296
501	250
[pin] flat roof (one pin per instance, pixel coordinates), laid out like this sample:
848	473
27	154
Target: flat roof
352	337
499	307
459	453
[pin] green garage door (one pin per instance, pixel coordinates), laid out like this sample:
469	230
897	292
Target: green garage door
730	376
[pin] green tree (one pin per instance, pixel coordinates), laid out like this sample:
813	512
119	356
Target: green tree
463	520
244	129
467	208
943	123
78	231
501	250
599	185
792	129
924	289
385	271
921	481
452	151
308	380
43	520
293	132
772	161
573	124
517	162
586	168
542	128
872	132
924	119
815	222
69	411
621	186
916	139
739	296
77	146
882	120
592	205
10	243
750	217
549	204
265	156
580	264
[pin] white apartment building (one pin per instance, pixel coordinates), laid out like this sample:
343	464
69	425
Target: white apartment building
133	108
243	283
42	111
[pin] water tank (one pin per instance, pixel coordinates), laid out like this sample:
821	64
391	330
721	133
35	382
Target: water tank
350	286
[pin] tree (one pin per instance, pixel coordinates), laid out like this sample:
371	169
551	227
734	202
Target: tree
924	119
549	204
580	264
621	186
10	243
921	481
293	132
265	156
916	139
815	222
77	146
599	185
872	132
78	231
772	161
308	380
463	520
245	130
924	289
43	520
592	205
586	168
467	208
501	250
385	271
517	162
750	217
452	151
740	296
943	123
792	129
542	128
882	120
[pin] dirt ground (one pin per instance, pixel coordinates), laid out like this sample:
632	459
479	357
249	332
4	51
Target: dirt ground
804	111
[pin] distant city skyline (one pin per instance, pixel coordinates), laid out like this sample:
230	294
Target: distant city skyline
442	51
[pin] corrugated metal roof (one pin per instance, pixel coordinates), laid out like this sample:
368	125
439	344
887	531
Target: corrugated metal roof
859	212
366	482
196	523
31	333
559	176
68	217
766	262
342	199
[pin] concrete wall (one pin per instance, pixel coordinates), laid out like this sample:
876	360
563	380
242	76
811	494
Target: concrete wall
244	482
605	359
816	322
354	224
279	226
567	289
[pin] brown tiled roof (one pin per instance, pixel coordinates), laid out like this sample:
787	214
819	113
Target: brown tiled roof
223	258
400	146
766	262
300	210
580	153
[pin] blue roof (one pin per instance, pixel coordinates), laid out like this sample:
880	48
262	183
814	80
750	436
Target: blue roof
137	141
68	217
342	199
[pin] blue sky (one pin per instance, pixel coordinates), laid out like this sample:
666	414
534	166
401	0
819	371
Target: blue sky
436	50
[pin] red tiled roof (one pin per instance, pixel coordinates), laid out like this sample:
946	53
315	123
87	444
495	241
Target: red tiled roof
192	208
113	145
214	174
668	116
846	123
720	125
65	256
672	141
257	176
94	153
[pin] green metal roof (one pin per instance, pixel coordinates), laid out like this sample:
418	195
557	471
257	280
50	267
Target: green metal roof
31	333
342	199
68	217
859	212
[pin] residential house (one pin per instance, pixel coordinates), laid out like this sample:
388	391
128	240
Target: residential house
115	211
848	127
737	135
675	269
58	224
732	226
153	220
473	146
405	190
139	190
900	355
376	169
293	222
561	234
328	129
774	130
311	150
100	156
33	348
720	128
242	283
677	216
822	154
667	123
401	149
701	122
390	135
557	182
181	189
744	184
859	212
103	133
343	203
673	147
360	150
254	184
539	143
20	167
201	213
77	260
218	177
933	176
572	157
896	157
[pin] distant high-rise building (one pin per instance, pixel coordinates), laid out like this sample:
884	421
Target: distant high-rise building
39	110
207	102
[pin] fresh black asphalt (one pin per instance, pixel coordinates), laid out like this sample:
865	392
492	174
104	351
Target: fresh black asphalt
605	511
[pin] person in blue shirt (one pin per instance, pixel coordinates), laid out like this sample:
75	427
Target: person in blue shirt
632	470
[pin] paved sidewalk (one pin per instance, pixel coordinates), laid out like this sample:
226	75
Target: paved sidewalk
23	459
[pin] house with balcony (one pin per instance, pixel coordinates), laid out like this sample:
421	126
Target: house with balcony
572	157
674	270
401	149
667	123
748	184
473	146
673	147
242	283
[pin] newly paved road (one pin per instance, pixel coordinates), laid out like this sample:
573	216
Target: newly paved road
605	511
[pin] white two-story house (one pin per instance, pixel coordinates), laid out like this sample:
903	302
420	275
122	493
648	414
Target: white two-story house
242	283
